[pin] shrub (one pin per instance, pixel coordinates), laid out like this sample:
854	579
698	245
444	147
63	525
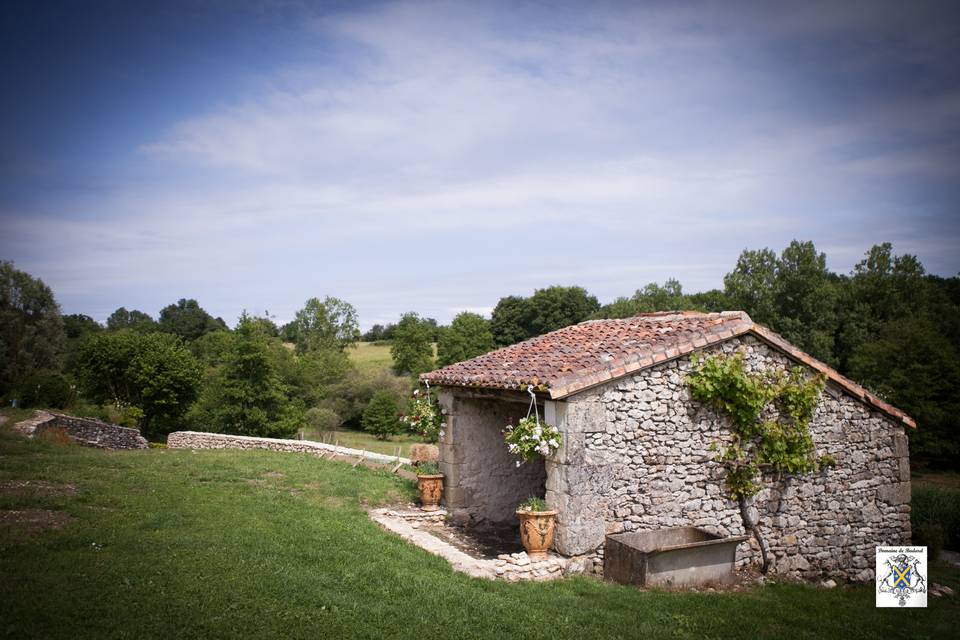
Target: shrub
45	389
935	507
380	417
322	419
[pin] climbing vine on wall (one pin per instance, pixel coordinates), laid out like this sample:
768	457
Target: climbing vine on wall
769	414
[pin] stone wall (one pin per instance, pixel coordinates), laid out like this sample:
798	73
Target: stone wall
203	440
89	432
636	456
481	478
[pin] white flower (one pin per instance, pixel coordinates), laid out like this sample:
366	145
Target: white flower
441	433
518	463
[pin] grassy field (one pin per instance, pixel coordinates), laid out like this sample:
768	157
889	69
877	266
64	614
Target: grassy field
230	544
374	355
371	355
363	440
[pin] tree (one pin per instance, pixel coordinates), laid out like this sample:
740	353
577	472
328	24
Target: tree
188	320
246	394
669	297
77	325
412	348
751	285
381	417
794	294
510	320
331	324
136	320
153	372
468	336
31	326
558	307
806	299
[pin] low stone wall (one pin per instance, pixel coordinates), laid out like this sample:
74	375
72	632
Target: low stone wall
85	431
202	440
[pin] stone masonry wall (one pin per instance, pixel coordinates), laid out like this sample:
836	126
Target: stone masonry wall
481	478
636	457
90	432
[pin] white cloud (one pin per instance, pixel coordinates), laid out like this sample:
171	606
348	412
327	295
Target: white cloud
448	154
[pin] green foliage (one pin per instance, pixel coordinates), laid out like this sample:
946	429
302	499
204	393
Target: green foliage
153	372
246	394
557	307
510	321
136	320
331	324
515	319
426	468
321	419
380	418
48	389
351	395
77	325
782	443
188	320
669	297
379	333
468	336
412	348
751	285
936	508
534	504
793	294
31	328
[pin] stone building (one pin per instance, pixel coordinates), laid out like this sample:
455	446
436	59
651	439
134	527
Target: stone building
636	451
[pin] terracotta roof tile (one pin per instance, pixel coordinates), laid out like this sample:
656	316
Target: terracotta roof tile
574	358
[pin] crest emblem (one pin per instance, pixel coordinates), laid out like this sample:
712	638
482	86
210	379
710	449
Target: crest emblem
900	577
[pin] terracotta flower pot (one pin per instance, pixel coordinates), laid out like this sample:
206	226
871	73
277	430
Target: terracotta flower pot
431	489
536	532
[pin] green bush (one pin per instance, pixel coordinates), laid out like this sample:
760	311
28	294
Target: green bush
322	419
935	507
381	417
45	389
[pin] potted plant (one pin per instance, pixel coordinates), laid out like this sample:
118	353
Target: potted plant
430	485
537	524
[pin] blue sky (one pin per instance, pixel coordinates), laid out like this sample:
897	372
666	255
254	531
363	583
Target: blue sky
437	156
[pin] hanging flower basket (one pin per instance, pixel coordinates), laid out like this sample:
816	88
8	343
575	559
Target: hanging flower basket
531	437
424	416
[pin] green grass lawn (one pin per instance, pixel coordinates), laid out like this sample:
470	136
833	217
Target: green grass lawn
231	544
363	440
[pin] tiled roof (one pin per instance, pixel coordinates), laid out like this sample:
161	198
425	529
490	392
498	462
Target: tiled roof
564	362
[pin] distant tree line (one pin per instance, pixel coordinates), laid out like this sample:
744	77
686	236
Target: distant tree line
888	325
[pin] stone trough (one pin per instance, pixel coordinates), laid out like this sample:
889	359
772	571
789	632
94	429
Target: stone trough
677	557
